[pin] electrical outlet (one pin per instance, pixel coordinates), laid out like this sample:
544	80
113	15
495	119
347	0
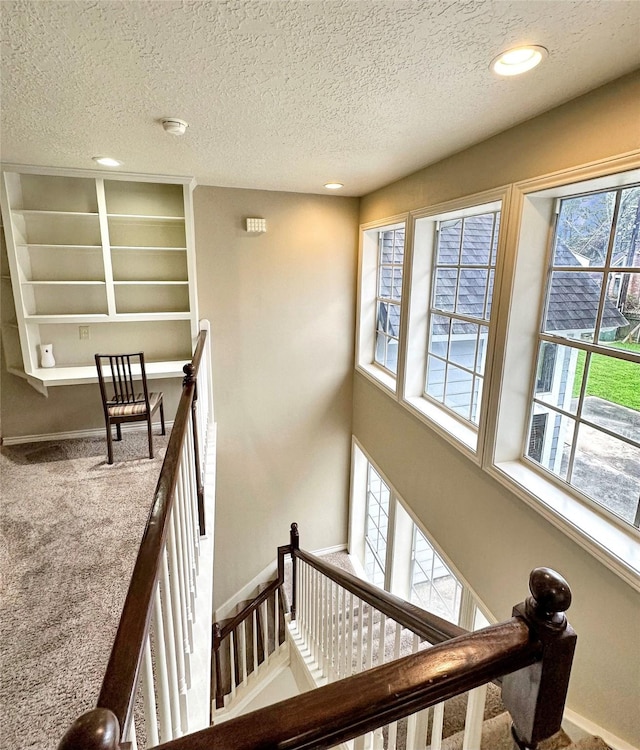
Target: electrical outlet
84	333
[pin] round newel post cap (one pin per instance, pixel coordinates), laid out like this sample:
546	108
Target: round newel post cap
188	370
95	730
293	535
550	595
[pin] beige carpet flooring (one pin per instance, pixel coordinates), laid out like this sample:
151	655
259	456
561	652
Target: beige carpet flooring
70	526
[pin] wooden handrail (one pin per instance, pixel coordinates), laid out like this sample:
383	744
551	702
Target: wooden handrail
346	709
432	628
232	622
118	687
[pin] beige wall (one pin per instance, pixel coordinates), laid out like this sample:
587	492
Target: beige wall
491	535
281	305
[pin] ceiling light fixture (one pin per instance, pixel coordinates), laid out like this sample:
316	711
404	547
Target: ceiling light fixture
333	185
518	60
174	125
107	161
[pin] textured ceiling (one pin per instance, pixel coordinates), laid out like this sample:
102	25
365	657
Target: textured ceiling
288	95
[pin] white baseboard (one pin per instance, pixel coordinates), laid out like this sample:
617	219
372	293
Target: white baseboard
577	727
74	434
246	591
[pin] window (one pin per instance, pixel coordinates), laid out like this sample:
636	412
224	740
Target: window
388	548
569	443
381	278
461	295
509	324
388	298
585	416
433	586
377	525
453	264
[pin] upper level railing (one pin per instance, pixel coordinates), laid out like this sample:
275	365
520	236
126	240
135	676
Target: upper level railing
154	640
532	651
345	625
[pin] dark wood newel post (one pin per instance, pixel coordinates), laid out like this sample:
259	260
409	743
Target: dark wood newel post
95	730
294	541
535	696
189	378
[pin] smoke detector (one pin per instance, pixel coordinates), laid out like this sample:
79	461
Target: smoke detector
174	126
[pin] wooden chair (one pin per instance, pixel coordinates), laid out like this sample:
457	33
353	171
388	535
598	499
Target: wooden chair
117	372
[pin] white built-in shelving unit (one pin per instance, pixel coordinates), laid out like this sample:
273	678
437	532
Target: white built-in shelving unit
111	253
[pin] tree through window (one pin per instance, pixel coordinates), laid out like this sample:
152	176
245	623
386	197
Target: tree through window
585	418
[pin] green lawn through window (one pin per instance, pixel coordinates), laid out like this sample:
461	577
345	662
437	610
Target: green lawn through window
612	379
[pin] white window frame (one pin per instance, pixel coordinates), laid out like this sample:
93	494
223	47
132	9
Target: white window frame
366	303
522	294
420	258
402	522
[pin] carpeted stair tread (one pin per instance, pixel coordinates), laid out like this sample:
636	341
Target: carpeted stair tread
496	735
590	743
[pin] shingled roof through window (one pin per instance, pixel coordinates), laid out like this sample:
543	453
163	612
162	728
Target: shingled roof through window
573	296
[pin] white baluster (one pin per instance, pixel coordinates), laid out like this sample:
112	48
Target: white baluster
351	636
164	706
309	615
242	642
313	593
369	656
360	636
436	727
382	631
254	634
346	624
185	599
393	727
132	736
190	493
413	719
276	624
474	718
149	697
323	624
190	459
331	674
178	620
187	536
168	614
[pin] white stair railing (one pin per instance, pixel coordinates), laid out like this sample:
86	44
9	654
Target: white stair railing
343	634
149	681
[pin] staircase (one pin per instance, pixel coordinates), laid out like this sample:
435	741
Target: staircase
338	633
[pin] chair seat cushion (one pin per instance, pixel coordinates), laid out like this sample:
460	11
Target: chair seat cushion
137	406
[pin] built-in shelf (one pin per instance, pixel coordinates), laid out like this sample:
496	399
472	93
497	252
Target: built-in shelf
145	248
79	374
114	253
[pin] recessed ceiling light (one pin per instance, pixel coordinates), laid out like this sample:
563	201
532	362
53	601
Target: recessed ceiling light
107	161
518	60
333	185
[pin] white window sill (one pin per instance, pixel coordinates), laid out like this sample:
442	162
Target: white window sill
615	546
445	424
378	376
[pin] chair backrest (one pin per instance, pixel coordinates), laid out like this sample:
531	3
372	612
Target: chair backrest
118	369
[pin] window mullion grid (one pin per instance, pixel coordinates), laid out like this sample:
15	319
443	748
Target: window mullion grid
586	421
607	265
